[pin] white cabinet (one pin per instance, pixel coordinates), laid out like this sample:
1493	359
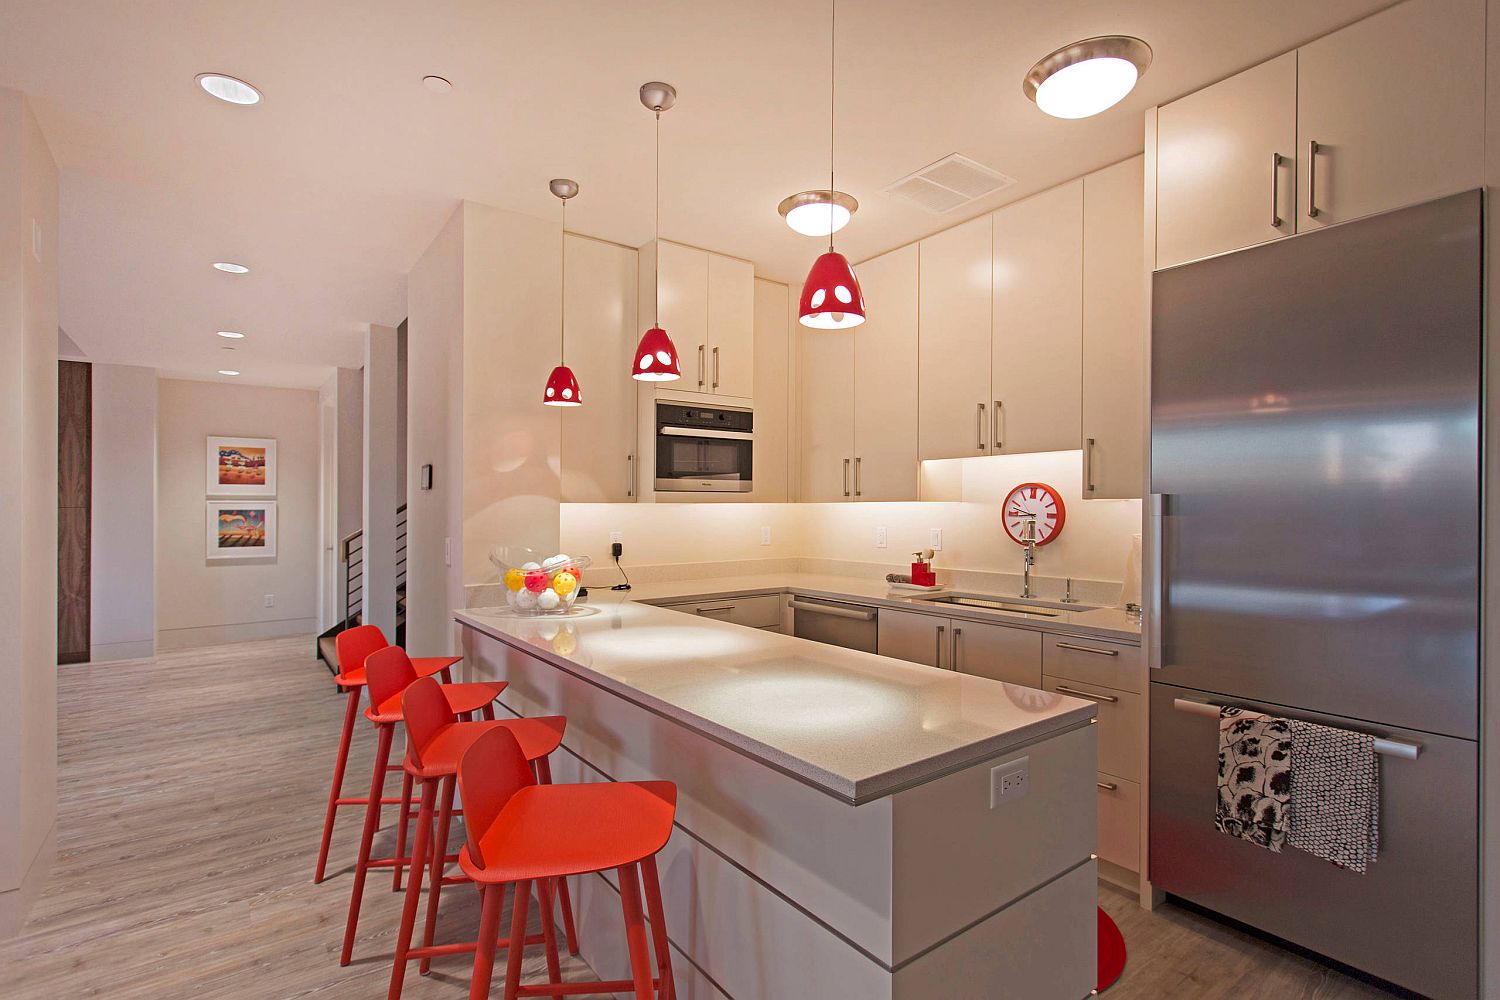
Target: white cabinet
1013	655
1395	106
598	438
1217	169
954	349
1037	324
707	307
774	359
912	636
826	414
1114	332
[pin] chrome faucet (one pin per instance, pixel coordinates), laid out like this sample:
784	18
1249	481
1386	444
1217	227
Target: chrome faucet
1028	539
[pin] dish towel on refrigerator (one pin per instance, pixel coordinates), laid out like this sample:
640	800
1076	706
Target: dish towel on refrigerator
1254	777
1335	807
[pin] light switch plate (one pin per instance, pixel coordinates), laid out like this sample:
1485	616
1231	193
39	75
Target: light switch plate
765	536
880	538
270	600
1009	780
935	543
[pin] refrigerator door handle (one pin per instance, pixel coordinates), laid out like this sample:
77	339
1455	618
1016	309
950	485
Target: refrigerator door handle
1154	651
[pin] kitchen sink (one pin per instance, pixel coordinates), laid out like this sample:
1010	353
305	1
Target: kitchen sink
1018	606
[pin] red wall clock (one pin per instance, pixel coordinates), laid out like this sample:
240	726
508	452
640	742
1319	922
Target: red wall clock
1034	500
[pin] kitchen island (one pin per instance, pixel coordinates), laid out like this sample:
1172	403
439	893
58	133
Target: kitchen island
835	835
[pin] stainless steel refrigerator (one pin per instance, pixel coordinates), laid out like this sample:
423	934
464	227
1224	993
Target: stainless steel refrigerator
1315	471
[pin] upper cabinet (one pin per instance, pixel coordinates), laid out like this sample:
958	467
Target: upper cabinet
707	307
1385	113
954	364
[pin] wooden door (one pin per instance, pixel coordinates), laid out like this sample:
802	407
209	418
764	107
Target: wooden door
74	507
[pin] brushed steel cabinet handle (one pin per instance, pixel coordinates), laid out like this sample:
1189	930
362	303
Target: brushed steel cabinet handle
1312	178
630	475
832	611
1088	649
1085	694
1156	651
979	426
710	611
955	655
1275	190
846	477
857	460
700	366
938	646
1088	465
1108	786
716	367
995	425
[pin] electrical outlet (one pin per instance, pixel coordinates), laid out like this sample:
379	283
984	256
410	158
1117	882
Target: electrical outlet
616	537
935	542
765	536
270	600
1009	780
880	538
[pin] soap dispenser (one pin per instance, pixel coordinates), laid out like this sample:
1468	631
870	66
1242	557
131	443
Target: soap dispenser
921	569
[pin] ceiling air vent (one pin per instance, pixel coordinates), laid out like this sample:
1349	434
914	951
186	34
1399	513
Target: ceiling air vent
949	183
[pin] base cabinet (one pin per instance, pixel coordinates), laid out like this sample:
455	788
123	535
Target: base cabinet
1013	655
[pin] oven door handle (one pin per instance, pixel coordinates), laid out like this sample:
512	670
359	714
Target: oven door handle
693	432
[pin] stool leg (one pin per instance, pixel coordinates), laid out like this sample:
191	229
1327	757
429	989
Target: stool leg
339	764
439	852
544	776
372	823
493	897
404	820
635	931
659	942
515	950
414	887
549	933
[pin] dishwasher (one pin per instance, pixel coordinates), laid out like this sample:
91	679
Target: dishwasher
852	626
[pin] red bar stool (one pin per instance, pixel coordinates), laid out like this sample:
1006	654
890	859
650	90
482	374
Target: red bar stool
351	647
389	672
528	834
436	742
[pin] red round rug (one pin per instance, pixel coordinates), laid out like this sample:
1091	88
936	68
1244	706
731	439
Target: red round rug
1111	952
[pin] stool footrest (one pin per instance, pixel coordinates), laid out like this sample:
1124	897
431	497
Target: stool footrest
366	801
464	947
406	863
626	986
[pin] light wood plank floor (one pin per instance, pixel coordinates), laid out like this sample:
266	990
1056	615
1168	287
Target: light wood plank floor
191	790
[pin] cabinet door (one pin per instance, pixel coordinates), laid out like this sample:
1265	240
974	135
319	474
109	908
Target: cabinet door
731	326
1215	174
907	635
775	358
682	286
825	386
1013	655
885	379
1037	367
1114	332
1395	104
598	438
954	346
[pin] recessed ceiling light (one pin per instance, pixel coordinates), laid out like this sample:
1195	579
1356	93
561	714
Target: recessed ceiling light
227	371
818	213
227	88
437	84
229	267
231	335
1087	77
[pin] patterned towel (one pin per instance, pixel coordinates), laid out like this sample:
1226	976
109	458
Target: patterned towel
1335	807
1254	777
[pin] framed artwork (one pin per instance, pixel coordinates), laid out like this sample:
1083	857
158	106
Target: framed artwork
241	467
241	529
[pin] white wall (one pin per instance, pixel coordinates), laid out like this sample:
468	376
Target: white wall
122	602
203	602
378	556
28	496
676	533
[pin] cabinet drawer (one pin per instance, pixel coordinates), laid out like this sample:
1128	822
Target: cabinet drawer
1120	744
757	612
1113	664
1119	821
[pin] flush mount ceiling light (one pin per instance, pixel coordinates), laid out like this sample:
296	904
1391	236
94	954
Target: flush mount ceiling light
229	267
656	355
231	335
818	213
228	88
1087	77
562	385
227	371
437	84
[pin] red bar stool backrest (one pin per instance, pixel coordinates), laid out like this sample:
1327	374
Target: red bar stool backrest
388	672
427	713
491	771
353	645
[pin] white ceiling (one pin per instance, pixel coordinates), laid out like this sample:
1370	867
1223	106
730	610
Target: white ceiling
332	188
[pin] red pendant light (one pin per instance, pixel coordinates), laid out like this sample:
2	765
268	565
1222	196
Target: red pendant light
831	298
562	384
656	356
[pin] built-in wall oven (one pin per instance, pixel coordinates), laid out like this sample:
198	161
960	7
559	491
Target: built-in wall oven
702	449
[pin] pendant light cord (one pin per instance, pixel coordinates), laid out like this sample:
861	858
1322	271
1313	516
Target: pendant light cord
833	20
656	223
562	339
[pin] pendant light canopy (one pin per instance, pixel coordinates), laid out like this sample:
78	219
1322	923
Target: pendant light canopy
1087	77
562	385
656	356
831	298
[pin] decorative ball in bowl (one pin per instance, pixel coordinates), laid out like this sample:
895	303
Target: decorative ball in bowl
537	585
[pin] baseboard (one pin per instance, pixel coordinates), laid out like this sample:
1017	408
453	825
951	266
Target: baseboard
218	635
108	652
16	903
1118	875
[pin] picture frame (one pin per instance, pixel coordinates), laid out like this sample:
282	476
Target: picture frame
241	467
241	529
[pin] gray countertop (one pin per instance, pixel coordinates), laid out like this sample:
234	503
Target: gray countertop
854	725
